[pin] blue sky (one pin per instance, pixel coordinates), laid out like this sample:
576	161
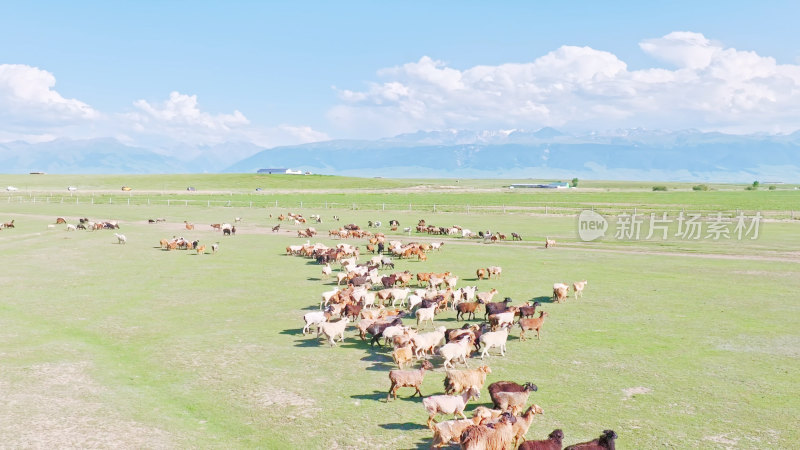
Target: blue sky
199	73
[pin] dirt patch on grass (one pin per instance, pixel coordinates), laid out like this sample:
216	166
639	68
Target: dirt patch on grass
778	346
723	440
59	405
631	392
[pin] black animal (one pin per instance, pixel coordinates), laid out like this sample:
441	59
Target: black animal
394	223
376	330
496	307
553	442
389	281
604	442
276	228
528	311
380	249
515	237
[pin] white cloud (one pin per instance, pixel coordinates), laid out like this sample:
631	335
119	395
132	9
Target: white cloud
183	111
31	110
711	88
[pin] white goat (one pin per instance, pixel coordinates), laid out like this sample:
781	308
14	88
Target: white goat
425	314
121	239
315	318
333	329
448	404
494	339
455	351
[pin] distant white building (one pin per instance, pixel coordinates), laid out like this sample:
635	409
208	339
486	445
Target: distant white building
281	171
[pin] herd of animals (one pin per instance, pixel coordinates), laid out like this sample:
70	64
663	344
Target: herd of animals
376	304
379	314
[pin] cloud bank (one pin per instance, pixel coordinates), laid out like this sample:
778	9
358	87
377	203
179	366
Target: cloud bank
709	87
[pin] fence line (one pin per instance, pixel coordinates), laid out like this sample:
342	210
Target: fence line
523	208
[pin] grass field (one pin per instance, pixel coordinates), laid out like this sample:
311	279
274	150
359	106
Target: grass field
677	344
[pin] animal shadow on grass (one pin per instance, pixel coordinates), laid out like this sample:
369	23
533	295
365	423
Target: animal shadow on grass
542	299
380	363
313	279
311	341
293	331
408	426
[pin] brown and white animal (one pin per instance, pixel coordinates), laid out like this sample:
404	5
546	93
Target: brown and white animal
512	401
532	324
523	423
577	288
448	431
315	318
604	442
508	386
457	381
448	404
214	247
407	378
553	442
495	270
549	243
497	437
560	292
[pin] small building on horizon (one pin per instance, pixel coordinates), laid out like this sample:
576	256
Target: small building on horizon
554	185
281	171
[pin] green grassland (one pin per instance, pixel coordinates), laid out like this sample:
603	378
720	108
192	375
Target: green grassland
677	344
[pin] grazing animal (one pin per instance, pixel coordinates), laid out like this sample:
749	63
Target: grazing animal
425	314
560	292
60	220
457	381
497	437
448	404
71	227
516	237
494	339
549	243
403	355
528	310
467	308
493	308
201	249
482	273
604	442
458	350
121	239
512	401
407	378
495	270
508	386
163	243
276	228
315	318
9	224
188	225
532	324
448	431
333	329
214	247
553	442
523	423
577	288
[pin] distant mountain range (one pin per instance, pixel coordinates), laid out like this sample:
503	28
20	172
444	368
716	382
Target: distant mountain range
635	154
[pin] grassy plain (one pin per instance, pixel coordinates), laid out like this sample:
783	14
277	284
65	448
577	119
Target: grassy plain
679	344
